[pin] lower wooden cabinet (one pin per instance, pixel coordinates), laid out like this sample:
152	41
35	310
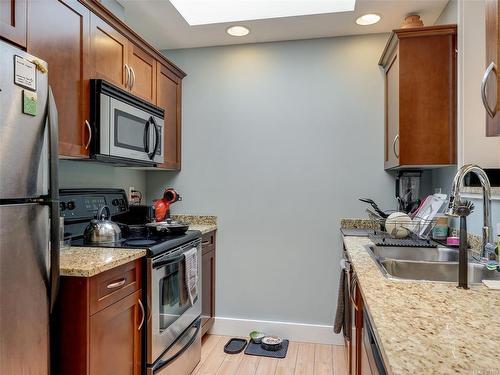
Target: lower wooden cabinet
100	322
115	338
208	282
358	362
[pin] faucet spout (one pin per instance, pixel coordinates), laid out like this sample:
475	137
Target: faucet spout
454	201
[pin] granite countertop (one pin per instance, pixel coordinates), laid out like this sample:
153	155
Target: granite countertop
89	261
204	224
427	327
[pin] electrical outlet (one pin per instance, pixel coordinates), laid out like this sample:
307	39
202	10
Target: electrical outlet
130	192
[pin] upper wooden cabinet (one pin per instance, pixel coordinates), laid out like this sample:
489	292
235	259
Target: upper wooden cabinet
108	53
142	73
66	49
491	80
88	42
13	14
420	97
168	97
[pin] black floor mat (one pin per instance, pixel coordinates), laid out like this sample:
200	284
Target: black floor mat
256	349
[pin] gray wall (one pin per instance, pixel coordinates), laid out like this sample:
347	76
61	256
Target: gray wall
84	174
279	141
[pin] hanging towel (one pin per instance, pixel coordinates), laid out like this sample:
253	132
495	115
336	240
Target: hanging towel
191	273
343	315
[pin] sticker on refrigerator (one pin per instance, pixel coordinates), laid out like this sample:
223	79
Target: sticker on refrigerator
24	73
29	102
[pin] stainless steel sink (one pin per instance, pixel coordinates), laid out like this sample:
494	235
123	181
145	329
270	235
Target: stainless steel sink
430	254
427	264
435	271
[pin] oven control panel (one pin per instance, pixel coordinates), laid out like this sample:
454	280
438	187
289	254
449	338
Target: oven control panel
85	204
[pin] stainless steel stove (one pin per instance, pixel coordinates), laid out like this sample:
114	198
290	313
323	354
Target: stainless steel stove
173	337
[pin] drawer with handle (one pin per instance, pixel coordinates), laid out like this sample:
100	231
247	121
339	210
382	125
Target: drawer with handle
109	287
208	242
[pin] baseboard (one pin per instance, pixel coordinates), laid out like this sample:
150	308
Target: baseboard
319	334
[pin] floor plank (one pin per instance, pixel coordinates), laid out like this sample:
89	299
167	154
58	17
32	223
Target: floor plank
267	366
248	365
286	366
323	359
301	359
305	359
214	359
339	361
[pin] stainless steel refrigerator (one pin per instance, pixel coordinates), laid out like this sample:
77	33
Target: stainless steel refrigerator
29	213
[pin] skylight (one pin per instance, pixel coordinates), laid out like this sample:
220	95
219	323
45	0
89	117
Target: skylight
203	12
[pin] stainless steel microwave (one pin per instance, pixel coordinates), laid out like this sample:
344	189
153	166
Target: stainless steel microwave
126	130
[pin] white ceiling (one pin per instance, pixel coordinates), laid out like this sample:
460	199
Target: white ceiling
160	23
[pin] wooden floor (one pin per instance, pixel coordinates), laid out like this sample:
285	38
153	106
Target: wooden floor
302	358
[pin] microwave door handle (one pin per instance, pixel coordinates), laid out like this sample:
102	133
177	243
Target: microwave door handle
146	136
157	138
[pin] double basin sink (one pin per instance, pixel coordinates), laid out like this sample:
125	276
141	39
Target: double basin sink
430	264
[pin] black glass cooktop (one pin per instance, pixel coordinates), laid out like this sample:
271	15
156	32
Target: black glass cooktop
154	243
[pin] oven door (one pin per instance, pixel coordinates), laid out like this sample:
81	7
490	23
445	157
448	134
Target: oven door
133	133
171	310
183	356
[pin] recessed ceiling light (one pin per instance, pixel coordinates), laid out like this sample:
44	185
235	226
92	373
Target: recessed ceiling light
238	30
368	19
203	12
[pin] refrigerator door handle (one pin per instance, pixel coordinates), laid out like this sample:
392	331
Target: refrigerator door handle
53	198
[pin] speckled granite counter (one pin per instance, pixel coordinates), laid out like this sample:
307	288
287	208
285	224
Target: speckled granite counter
429	328
89	261
204	224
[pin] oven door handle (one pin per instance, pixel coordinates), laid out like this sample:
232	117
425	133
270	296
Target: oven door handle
162	263
163	363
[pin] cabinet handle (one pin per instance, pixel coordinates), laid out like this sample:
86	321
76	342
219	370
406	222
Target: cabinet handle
87	124
117	284
492	68
132	79
127	76
353	295
143	315
205	242
394	146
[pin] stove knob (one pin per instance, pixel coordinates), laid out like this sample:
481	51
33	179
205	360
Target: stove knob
62	206
71	205
115	202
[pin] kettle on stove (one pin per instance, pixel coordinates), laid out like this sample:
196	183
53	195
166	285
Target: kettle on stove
102	230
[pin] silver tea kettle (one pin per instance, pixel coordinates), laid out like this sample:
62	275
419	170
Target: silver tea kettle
101	230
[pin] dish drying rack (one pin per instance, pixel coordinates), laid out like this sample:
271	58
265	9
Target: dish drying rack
419	228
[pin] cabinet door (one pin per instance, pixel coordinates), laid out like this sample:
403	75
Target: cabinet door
208	291
108	53
169	98
115	338
65	48
392	113
143	74
491	84
13	21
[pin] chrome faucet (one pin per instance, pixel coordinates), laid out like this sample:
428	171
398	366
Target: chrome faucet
458	183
